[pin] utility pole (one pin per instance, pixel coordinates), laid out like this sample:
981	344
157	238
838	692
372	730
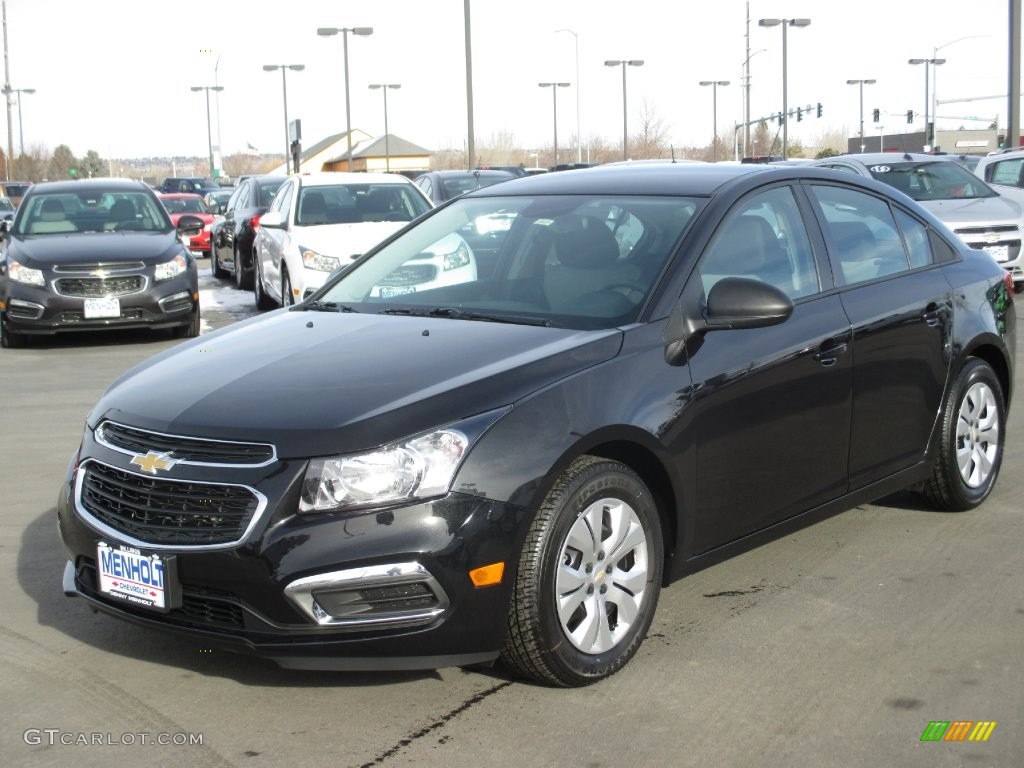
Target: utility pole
7	97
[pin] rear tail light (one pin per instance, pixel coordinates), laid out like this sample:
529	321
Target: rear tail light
255	221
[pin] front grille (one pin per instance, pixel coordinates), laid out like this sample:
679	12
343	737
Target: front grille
194	450
168	512
99	287
984	230
113	267
74	316
411	274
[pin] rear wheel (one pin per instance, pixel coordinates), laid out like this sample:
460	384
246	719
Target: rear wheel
262	300
287	298
215	267
243	279
589	577
970	450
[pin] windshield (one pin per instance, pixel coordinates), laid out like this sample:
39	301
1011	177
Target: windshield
932	180
349	203
94	210
570	261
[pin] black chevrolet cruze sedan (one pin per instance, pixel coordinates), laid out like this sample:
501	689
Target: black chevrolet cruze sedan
666	365
92	255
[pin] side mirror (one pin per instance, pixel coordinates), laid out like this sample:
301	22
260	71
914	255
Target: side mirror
739	302
272	220
732	303
189	226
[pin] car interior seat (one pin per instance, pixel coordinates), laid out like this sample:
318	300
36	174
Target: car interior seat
122	215
314	209
52	219
748	247
586	274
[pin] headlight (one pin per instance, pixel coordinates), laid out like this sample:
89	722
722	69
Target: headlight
457	258
19	273
415	469
313	260
172	268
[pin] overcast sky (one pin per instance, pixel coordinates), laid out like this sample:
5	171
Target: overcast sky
115	75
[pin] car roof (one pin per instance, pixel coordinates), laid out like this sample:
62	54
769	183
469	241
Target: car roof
86	185
654	179
485	173
343	177
874	158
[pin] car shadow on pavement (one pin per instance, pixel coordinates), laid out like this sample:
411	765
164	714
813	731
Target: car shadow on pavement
40	567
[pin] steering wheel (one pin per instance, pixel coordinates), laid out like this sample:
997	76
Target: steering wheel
635	292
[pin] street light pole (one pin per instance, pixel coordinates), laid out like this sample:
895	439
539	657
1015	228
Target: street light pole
387	141
328	32
929	134
554	103
624	63
785	97
284	88
209	131
861	83
714	111
579	122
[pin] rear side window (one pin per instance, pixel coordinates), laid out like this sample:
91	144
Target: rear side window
864	240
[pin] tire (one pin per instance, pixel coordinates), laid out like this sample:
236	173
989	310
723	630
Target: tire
287	299
215	267
262	300
970	449
191	330
10	339
243	279
611	583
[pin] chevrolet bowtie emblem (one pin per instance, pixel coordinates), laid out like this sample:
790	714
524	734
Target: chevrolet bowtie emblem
153	461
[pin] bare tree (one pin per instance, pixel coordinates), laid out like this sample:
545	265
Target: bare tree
649	140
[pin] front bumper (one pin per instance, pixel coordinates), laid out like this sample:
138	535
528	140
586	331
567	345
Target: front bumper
42	310
387	589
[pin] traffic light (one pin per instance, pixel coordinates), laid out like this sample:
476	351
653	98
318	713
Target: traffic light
1001	141
73	173
876	115
799	114
910	116
779	118
819	109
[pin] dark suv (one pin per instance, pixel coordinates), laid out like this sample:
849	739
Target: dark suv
235	238
195	185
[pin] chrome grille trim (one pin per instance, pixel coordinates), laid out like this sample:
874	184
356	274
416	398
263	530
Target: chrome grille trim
123	538
133	441
112	268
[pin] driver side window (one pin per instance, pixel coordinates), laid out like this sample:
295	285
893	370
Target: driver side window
763	238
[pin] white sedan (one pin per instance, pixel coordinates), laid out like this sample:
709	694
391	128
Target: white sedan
320	222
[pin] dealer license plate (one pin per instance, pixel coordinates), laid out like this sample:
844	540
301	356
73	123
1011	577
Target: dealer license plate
998	252
99	308
127	575
388	293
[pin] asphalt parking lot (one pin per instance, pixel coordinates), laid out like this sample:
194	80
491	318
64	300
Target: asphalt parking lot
833	646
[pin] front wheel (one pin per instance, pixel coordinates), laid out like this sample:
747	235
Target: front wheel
262	300
589	576
191	330
10	339
970	450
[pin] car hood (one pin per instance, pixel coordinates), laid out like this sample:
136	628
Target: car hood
981	210
345	241
40	251
319	383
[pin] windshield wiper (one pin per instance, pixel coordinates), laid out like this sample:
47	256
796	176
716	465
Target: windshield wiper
327	306
460	314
